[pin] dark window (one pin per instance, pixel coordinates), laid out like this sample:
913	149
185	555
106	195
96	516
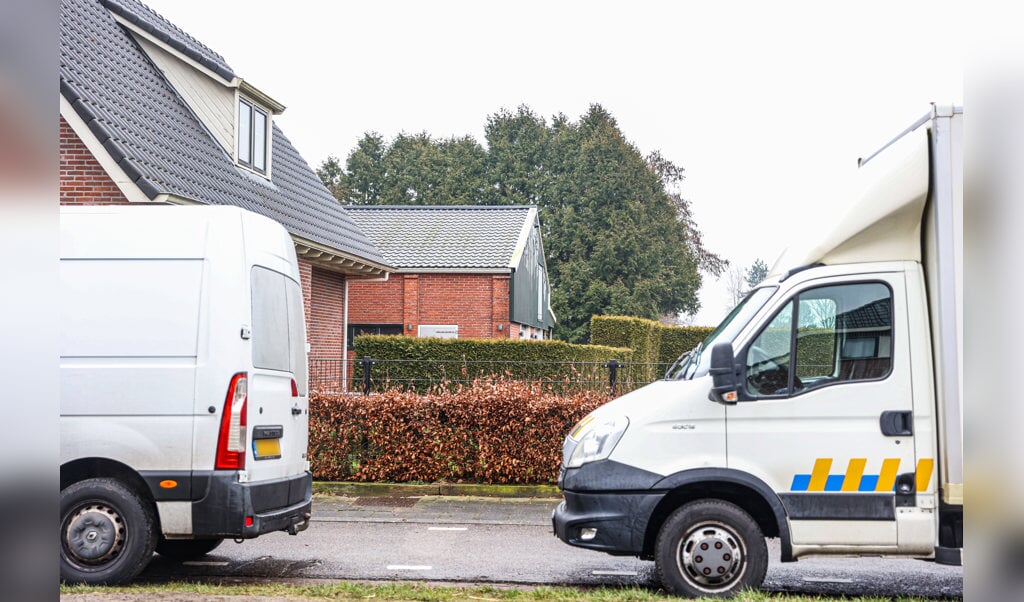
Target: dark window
252	135
355	330
835	333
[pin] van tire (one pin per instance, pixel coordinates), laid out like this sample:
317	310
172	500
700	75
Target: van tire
736	554
107	532
186	549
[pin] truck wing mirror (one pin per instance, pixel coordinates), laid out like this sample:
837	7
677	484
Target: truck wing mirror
724	376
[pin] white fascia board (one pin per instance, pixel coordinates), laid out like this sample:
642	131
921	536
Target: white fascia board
127	187
136	30
260	97
524	236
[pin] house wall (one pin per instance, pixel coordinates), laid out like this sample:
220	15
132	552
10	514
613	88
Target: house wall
324	297
477	303
83	181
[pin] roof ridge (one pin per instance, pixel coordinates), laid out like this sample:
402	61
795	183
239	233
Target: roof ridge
445	207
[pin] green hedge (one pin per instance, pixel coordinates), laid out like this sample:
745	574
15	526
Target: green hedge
653	343
421	363
676	340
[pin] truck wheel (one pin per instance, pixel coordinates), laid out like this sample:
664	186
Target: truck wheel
107	533
710	548
186	549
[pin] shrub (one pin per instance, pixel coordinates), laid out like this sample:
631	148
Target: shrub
422	363
492	431
653	344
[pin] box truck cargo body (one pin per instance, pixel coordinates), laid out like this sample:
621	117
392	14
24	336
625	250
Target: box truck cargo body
184	413
824	411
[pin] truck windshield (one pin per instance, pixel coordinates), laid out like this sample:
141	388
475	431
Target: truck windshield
695	362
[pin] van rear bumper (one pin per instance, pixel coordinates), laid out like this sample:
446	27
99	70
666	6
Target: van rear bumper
245	510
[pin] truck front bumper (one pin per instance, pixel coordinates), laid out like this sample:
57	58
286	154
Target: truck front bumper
613	522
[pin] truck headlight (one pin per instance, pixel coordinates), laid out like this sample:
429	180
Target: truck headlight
594	439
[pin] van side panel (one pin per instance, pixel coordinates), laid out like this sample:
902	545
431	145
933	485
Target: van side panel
129	336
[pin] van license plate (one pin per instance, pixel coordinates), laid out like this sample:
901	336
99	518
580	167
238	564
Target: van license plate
266	449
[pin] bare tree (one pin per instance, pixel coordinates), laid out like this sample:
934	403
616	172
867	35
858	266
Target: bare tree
736	284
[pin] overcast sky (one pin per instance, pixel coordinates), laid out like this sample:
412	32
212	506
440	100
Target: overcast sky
767	105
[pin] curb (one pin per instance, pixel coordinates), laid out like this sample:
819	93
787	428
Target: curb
351	489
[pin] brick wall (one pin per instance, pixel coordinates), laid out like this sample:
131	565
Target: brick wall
325	313
83	180
380	302
477	303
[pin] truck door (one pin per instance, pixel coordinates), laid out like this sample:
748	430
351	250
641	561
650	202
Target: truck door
828	421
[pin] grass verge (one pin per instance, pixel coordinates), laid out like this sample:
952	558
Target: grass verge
405	592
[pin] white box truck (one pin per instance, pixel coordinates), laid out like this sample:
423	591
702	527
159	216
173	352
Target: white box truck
823	411
183	406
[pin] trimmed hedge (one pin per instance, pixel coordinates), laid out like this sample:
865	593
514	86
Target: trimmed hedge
652	343
493	431
676	340
422	363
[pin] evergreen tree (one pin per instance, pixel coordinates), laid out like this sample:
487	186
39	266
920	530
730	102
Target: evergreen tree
618	236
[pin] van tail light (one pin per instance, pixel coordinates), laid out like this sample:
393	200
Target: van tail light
231	443
295	389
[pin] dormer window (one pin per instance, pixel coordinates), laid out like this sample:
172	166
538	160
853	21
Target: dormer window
252	135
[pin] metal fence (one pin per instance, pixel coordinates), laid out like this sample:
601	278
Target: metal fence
366	375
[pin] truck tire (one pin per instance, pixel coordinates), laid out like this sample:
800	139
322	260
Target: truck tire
186	549
710	548
107	532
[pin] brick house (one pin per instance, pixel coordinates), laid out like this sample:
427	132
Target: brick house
462	272
148	114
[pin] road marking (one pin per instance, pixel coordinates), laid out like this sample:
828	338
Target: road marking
446	528
409	567
827	580
601	573
205	563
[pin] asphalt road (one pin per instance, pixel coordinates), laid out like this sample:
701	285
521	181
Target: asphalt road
502	541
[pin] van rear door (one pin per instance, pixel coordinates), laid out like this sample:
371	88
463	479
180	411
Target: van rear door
277	406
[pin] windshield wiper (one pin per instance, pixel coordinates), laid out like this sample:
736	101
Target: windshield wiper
695	355
682	362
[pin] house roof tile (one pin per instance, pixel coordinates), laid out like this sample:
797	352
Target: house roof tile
163	147
455	237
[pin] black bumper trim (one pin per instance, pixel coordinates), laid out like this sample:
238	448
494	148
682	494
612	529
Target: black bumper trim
228	504
620	519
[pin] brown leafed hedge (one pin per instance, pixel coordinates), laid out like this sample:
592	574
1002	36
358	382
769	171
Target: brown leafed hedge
492	431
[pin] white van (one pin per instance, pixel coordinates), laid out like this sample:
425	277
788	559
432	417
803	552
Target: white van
184	410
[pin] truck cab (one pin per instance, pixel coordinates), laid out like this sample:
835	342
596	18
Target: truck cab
823	411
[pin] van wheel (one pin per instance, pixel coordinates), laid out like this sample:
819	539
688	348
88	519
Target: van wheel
186	549
107	533
710	548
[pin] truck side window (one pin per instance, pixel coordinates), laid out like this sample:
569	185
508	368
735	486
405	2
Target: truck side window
768	357
842	333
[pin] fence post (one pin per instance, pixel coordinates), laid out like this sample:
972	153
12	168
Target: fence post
613	368
367	364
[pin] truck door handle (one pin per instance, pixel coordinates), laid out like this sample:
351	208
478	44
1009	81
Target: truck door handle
897	423
296	411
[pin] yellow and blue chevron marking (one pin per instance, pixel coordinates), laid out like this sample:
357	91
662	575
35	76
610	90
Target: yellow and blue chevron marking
854	479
